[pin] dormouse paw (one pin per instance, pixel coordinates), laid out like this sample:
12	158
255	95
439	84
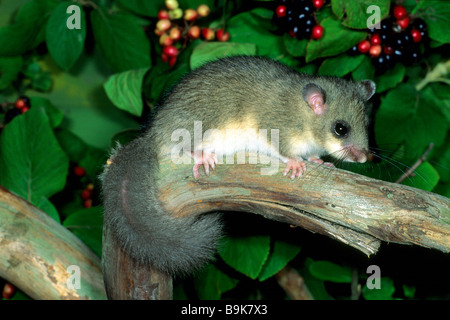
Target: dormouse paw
296	166
320	161
206	159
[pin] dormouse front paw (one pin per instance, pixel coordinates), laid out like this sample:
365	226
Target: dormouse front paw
320	161
204	158
296	166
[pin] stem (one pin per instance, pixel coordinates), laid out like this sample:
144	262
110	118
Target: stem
438	74
421	160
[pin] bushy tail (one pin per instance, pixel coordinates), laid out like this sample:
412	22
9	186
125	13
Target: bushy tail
134	215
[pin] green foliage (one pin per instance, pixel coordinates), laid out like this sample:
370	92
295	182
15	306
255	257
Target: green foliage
38	150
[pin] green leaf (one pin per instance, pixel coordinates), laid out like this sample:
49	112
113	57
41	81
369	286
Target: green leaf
122	41
390	78
212	282
385	292
246	254
436	14
336	39
328	271
32	164
364	71
425	177
9	69
24	33
65	34
72	145
341	65
354	12
209	51
40	80
249	26
409	117
125	90
143	7
282	253
55	115
87	224
295	47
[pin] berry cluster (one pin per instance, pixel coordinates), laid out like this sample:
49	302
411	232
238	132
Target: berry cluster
176	28
87	192
12	110
297	17
397	40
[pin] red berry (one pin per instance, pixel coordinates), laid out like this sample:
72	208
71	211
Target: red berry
318	4
222	35
87	203
416	35
163	25
317	32
194	32
170	51
86	194
375	39
280	11
364	46
399	12
8	291
79	171
208	34
21	103
24	109
190	15
175	34
163	14
172	61
375	51
165	57
403	23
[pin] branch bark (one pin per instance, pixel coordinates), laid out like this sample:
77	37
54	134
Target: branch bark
36	252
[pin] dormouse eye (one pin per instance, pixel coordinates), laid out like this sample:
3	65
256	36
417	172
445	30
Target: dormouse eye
341	129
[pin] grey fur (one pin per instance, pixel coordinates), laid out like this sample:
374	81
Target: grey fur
228	88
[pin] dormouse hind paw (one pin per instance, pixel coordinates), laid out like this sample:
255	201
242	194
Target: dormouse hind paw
207	159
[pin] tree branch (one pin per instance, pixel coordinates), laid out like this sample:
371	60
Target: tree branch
36	252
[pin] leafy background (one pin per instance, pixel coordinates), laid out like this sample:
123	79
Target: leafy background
94	86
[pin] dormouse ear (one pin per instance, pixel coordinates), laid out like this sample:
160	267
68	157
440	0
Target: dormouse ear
314	96
367	88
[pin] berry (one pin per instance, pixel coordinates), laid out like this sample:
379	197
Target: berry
172	61
419	24
375	51
353	51
175	34
175	14
79	171
375	39
318	4
171	4
194	32
403	23
8	291
416	35
24	109
165	40
190	15
203	10
317	32
86	194
170	51
364	46
87	203
208	34
399	12
388	50
280	11
22	102
163	25
163	14
222	35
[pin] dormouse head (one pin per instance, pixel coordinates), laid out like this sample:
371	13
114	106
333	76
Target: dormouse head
339	114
